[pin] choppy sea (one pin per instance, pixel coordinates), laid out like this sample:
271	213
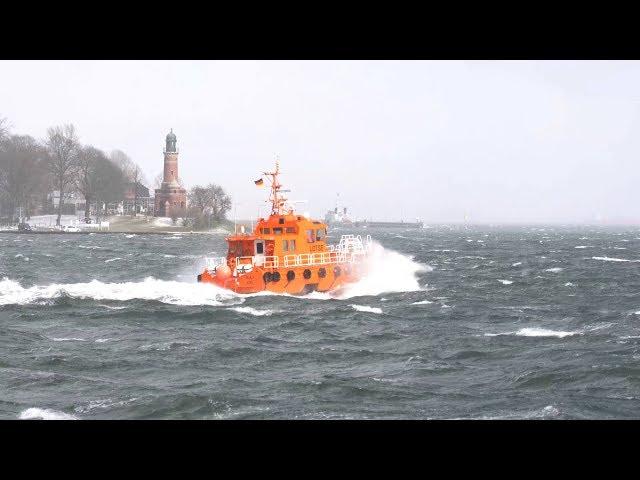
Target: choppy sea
451	322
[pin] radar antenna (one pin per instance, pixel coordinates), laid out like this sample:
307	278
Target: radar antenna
278	202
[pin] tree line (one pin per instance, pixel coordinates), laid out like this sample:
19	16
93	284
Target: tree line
207	207
31	169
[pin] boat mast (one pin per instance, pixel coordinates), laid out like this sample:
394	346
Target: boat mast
276	199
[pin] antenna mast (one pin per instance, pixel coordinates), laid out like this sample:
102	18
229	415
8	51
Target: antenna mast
277	200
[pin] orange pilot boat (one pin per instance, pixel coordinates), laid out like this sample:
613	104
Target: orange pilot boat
287	253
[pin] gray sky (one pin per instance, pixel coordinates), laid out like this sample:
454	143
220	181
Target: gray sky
521	141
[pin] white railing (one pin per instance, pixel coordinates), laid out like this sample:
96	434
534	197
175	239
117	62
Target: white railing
246	264
350	249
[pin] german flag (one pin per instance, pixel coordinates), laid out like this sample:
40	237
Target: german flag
259	182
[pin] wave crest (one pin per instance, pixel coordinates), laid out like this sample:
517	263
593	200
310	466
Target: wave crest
170	292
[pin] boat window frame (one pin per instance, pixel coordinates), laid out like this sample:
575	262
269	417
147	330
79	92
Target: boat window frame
277	231
310	235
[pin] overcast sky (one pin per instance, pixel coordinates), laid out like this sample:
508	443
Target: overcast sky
494	141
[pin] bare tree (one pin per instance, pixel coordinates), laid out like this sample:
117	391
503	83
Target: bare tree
111	184
4	128
22	172
88	175
63	147
132	172
221	202
157	181
207	205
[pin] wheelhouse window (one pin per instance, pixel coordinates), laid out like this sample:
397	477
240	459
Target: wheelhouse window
277	231
266	231
285	245
259	248
320	233
292	245
311	236
290	230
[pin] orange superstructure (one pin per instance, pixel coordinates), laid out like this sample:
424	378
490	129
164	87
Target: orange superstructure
286	253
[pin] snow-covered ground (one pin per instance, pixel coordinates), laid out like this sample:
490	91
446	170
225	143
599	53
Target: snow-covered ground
162	222
50	220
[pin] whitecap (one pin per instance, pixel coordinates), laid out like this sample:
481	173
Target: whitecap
612	259
583	246
112	260
252	311
67	339
553	270
536	332
171	292
516	264
422	302
44	414
365	308
506	282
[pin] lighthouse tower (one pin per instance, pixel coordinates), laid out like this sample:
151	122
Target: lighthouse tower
171	198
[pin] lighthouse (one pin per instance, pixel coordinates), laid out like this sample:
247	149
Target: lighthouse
171	198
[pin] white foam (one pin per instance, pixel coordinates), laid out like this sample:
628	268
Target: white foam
252	311
422	302
583	246
385	271
506	282
365	308
553	270
535	332
612	259
112	260
68	339
44	414
516	264
171	292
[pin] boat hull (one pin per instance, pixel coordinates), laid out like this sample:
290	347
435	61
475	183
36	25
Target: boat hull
293	281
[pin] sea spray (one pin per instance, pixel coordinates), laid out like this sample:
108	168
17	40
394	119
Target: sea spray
171	292
385	271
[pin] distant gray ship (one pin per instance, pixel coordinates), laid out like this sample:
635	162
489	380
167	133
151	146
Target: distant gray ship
401	224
